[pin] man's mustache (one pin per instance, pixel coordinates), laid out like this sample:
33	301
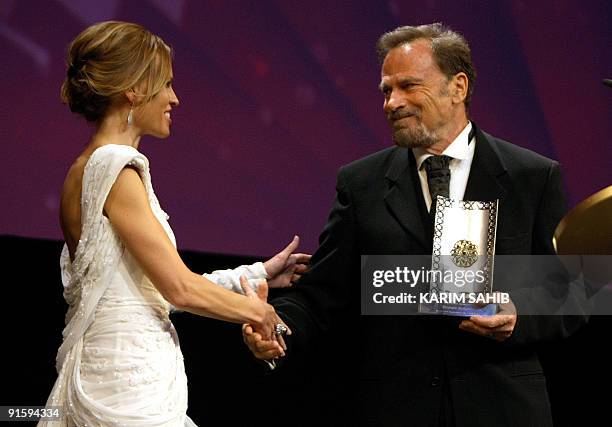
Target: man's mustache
400	114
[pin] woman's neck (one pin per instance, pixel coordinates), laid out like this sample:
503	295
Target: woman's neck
113	129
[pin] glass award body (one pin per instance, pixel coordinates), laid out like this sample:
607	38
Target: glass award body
461	273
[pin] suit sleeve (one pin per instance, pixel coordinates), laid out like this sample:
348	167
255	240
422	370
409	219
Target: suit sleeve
549	293
309	307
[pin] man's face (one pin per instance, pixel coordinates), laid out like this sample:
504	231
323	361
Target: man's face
417	101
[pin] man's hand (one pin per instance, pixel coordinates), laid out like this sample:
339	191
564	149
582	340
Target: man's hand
261	349
498	327
286	267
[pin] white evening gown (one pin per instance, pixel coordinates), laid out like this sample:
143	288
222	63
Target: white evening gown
120	363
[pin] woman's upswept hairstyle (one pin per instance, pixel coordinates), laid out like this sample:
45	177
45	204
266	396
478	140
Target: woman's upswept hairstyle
109	58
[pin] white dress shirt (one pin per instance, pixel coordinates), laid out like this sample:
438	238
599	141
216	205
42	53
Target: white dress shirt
461	153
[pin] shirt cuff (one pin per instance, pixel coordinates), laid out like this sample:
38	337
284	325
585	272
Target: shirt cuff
230	278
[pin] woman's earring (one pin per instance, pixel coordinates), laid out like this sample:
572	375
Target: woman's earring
130	118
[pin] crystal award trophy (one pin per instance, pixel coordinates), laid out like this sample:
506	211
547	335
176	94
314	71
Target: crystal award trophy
461	275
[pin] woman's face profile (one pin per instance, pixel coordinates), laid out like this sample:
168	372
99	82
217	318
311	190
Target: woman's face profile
154	117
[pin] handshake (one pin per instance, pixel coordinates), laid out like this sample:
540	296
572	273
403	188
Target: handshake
265	339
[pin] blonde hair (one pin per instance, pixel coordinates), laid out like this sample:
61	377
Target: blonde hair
109	58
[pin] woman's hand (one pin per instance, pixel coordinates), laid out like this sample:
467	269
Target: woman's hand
285	267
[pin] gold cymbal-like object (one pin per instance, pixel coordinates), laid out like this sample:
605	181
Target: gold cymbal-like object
587	228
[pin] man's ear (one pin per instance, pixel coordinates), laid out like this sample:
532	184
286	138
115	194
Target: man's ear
459	90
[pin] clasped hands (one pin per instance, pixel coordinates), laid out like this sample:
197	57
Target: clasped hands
282	270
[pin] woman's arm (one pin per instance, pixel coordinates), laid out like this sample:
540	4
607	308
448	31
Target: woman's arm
128	209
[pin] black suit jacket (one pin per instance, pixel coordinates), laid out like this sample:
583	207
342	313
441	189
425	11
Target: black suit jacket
400	370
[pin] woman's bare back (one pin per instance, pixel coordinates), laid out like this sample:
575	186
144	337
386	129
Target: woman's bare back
70	202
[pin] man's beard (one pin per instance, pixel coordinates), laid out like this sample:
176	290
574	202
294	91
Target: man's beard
416	136
412	136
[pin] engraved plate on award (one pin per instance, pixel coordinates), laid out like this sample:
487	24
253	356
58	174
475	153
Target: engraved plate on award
462	258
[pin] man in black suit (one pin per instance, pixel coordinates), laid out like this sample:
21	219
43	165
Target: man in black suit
429	370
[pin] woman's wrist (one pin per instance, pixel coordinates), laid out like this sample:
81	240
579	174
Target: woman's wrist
255	312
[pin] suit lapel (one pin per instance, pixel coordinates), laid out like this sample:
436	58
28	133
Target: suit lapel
486	174
407	205
402	198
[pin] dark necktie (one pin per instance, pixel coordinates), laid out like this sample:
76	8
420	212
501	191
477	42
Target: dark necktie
438	178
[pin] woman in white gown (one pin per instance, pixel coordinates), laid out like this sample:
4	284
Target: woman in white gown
120	362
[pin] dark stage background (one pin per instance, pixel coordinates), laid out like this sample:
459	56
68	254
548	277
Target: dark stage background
275	96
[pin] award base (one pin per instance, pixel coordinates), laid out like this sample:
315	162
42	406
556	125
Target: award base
459	310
